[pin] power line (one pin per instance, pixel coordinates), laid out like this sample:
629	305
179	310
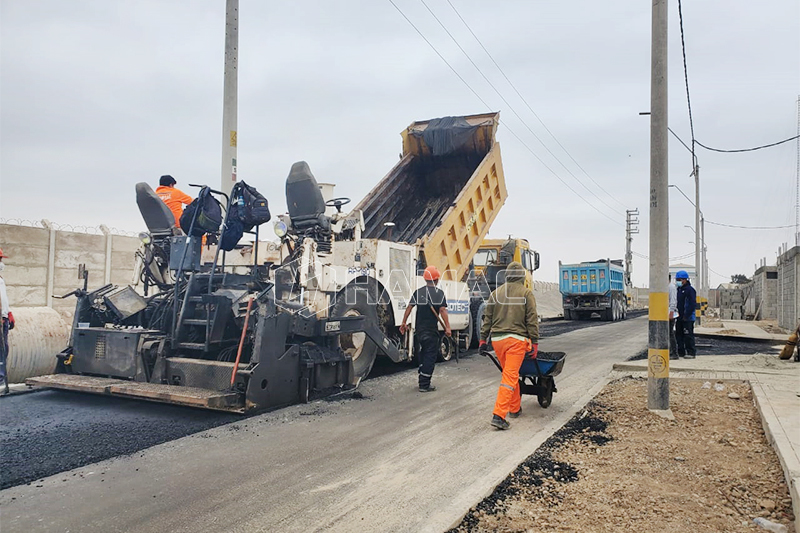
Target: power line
748	227
747	149
686	79
529	106
676	258
524	123
507	127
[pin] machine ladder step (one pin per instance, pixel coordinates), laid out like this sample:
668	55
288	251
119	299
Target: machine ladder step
192	346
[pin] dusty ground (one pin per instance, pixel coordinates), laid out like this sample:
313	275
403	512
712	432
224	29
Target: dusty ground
618	467
771	326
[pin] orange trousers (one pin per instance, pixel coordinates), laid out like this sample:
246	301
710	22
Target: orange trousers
511	353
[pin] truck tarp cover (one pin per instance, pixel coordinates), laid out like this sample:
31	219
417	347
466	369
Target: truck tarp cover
420	189
447	134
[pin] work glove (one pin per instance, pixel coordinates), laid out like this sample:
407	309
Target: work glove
533	352
483	348
11	321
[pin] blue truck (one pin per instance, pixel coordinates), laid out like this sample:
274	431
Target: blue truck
593	287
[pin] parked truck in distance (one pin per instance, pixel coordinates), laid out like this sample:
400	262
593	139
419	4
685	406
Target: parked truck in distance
593	287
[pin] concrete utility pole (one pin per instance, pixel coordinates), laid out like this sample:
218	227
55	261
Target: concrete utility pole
658	339
704	279
698	241
631	228
230	96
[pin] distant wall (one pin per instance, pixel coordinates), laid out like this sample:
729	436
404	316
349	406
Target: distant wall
789	288
43	261
763	301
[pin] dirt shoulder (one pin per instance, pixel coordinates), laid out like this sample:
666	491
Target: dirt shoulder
616	466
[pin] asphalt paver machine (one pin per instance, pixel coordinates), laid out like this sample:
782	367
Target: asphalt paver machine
211	336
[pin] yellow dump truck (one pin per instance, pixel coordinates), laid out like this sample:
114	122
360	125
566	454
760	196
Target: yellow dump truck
443	194
489	267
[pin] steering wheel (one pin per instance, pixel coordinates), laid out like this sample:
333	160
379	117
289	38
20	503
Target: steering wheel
337	203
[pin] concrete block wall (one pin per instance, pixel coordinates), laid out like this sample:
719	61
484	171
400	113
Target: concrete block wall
732	302
788	288
763	301
43	261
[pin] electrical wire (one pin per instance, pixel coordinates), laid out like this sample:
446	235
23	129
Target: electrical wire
514	111
748	227
686	80
502	72
747	149
506	125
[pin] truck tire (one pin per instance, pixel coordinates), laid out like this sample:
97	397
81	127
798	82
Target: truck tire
477	322
354	300
447	348
567	314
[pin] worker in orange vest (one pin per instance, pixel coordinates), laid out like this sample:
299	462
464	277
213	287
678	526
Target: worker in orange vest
511	319
174	198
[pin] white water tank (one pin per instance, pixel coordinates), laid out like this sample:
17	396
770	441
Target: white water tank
40	334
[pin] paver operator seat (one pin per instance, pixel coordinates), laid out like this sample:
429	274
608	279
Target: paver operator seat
157	216
304	199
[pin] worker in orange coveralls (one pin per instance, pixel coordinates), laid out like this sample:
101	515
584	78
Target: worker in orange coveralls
174	198
511	318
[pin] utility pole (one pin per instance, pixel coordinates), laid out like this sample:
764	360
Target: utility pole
704	279
631	229
230	96
797	182
698	241
658	337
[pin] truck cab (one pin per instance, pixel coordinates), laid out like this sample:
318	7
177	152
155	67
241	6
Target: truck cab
494	256
488	272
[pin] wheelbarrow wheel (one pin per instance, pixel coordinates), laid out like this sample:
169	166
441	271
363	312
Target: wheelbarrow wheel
545	396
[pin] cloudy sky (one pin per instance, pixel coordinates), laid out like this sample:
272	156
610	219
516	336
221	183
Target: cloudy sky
98	95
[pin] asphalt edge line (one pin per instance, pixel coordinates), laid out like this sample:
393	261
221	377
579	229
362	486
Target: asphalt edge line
777	438
547	432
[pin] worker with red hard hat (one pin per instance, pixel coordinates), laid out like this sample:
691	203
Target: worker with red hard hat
431	306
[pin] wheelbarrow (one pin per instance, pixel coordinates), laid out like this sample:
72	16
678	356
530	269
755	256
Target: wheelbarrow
536	374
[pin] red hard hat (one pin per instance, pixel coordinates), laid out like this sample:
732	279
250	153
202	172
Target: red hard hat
2	254
431	274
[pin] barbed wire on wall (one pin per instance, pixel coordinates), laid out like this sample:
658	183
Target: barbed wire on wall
90	230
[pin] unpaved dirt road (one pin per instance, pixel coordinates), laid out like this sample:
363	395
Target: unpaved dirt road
396	460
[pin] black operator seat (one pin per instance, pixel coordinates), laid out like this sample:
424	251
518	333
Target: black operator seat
157	216
304	199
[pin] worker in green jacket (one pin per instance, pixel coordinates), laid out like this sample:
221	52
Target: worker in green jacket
511	320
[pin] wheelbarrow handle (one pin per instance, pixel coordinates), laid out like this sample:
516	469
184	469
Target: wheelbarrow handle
491	356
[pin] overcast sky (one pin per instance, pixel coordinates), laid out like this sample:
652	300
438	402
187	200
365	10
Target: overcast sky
96	96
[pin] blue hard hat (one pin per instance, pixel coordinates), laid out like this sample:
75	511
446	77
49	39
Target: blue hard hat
681	274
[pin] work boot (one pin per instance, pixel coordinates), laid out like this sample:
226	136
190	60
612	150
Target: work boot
499	423
429	388
673	357
516	415
688	356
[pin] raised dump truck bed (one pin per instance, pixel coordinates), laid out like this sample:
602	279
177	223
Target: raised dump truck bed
443	194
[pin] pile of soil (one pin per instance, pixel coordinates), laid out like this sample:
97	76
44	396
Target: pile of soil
729	332
616	467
